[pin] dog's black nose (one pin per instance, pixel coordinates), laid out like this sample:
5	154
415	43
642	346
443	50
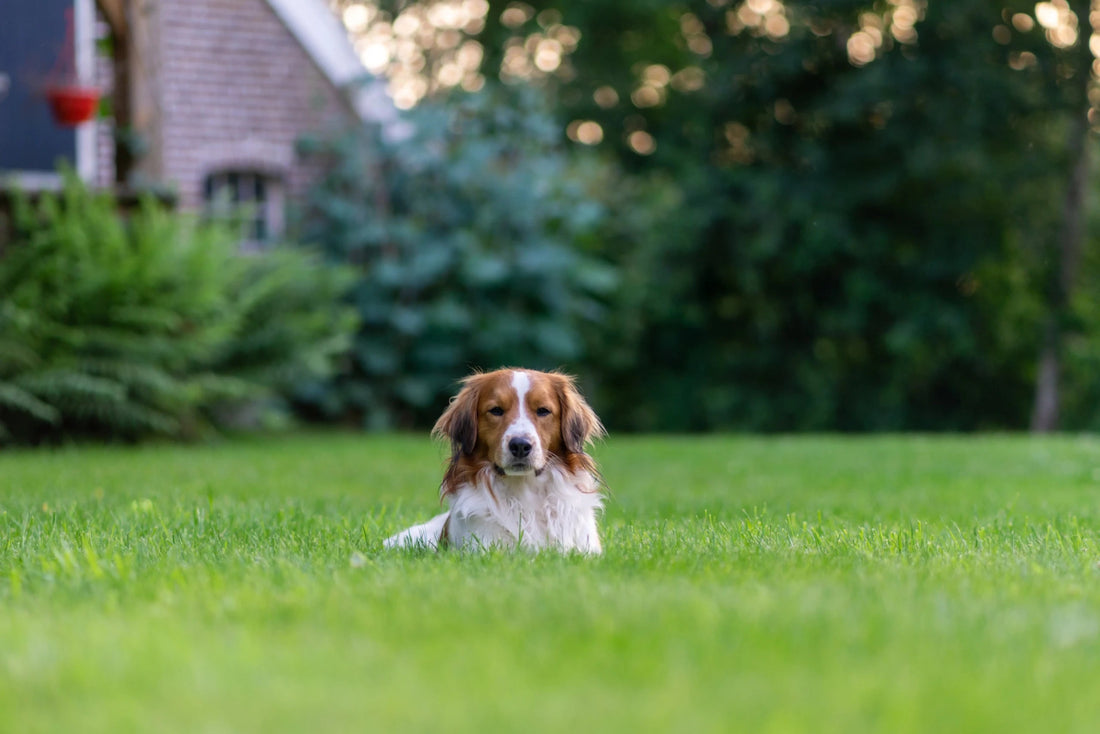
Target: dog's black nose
520	447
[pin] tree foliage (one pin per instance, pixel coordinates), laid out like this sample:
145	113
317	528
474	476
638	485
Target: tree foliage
861	246
469	238
861	203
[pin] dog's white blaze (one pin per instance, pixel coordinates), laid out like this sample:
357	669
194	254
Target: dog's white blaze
521	427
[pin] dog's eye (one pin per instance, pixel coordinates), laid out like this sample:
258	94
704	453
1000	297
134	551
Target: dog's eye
497	410
542	412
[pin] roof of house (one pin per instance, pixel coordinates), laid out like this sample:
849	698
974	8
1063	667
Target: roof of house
325	39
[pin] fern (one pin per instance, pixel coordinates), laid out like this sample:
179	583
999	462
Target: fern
16	398
15	356
150	325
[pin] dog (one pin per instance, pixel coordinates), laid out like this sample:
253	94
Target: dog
518	475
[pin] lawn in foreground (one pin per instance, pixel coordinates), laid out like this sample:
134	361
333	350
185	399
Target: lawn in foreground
901	584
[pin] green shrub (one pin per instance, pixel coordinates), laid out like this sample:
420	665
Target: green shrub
148	325
469	235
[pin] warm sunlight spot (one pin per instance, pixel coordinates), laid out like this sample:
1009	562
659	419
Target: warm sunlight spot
447	15
475	25
1059	21
548	54
694	33
1022	60
606	97
738	150
760	17
656	75
777	26
1094	44
448	39
690	24
406	92
476	8
473	83
424	47
1063	36
878	31
641	142
903	18
406	25
700	45
376	57
567	36
1023	22
1047	15
516	15
872	25
450	75
1002	34
646	96
749	18
408	52
539	54
736	133
733	23
589	132
689	79
549	18
861	48
516	63
470	55
357	18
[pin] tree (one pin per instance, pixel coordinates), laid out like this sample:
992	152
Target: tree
1074	79
869	191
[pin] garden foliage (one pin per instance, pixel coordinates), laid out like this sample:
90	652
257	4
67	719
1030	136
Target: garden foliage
472	239
149	324
854	243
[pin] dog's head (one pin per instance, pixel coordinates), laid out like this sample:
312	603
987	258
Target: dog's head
518	421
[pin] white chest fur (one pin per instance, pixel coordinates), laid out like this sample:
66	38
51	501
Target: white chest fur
553	510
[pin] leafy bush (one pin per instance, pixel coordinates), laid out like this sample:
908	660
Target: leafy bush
126	328
469	236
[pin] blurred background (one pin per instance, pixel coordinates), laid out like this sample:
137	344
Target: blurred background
751	215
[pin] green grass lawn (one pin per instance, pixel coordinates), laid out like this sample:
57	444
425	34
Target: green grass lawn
894	584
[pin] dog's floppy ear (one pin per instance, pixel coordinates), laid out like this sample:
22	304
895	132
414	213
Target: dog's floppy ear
579	423
458	423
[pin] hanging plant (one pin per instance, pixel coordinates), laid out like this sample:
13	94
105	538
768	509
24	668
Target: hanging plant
72	104
71	100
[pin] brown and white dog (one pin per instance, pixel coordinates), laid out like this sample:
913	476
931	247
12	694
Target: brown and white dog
518	474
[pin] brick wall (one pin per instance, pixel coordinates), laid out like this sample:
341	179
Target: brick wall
104	128
236	90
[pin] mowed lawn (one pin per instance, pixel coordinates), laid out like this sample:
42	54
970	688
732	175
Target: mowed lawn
819	584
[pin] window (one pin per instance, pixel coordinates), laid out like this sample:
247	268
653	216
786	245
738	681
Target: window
253	199
33	40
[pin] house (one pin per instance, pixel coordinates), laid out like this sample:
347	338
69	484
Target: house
206	97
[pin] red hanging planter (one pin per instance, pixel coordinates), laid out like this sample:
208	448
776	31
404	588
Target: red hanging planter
71	100
73	104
